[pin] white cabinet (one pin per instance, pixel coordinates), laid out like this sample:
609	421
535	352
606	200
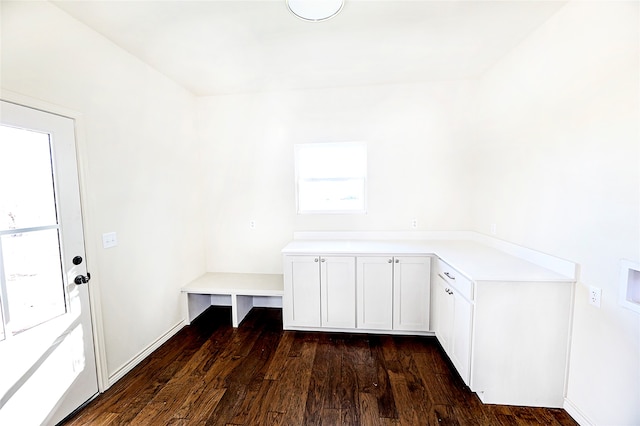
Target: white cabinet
367	292
441	311
452	317
338	291
461	335
520	342
411	293
503	320
319	291
393	292
375	292
301	299
507	340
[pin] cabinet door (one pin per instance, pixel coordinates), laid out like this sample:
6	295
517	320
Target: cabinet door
460	352
411	293
338	291
301	301
442	313
375	292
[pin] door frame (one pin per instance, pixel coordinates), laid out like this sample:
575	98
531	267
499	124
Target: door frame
90	240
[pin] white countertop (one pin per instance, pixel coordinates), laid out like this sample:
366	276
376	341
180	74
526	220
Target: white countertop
475	260
239	284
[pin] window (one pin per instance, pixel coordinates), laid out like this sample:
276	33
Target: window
331	177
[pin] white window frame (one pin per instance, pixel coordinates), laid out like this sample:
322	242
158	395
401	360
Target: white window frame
331	171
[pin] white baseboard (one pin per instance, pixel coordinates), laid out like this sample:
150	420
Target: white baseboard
128	366
577	415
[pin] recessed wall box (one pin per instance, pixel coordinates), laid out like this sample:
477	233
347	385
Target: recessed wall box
630	285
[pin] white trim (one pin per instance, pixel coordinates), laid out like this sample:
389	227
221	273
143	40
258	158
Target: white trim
92	248
91	244
133	362
626	266
576	413
382	235
39	104
567	370
32	229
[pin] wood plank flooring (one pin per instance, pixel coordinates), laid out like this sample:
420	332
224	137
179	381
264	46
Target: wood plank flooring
257	374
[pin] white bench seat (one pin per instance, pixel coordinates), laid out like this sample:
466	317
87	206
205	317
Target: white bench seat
240	291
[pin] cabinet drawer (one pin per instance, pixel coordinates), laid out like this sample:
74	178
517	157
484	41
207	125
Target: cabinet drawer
455	279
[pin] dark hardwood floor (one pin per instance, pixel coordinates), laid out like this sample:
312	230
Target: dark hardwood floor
212	374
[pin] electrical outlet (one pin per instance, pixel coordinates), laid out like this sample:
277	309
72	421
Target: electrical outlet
414	223
494	229
595	295
252	224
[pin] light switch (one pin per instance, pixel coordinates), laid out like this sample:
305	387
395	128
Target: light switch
109	240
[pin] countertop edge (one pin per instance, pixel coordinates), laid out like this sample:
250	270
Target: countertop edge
475	260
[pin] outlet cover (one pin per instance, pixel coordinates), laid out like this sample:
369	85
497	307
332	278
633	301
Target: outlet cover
595	294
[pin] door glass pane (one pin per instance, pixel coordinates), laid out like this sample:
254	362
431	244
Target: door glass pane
26	183
31	281
33	277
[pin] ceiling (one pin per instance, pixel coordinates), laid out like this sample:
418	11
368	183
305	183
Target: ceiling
215	47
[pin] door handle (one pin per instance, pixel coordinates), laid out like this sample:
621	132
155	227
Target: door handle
81	279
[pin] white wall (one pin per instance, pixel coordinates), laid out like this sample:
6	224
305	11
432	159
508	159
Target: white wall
248	146
557	168
551	156
142	177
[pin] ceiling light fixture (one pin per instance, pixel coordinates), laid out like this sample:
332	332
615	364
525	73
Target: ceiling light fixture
315	10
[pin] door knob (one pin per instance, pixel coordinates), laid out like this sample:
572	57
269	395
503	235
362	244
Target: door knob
81	279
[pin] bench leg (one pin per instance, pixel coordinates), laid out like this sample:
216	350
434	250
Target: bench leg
241	305
194	305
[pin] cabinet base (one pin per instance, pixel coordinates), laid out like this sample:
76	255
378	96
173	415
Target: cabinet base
361	331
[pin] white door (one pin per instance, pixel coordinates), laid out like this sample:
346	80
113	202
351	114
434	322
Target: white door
443	313
374	276
338	298
47	361
461	336
411	293
301	304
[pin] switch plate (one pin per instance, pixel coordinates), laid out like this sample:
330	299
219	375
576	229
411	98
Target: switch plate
110	239
595	294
